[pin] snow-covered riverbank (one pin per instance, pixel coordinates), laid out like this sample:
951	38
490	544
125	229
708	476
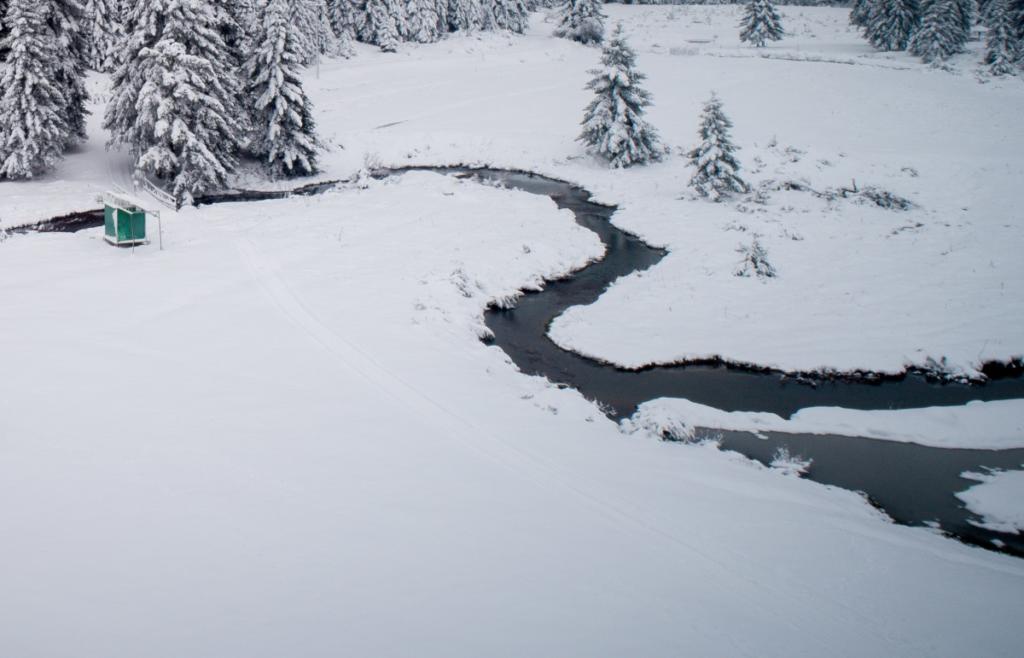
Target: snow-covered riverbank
282	435
289	409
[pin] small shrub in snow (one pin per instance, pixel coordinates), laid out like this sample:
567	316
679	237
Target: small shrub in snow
581	20
755	261
790	464
613	125
885	199
717	174
761	23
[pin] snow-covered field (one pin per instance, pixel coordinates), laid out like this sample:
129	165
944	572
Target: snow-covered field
281	435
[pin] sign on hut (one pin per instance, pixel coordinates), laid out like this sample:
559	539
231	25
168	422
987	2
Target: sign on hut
124	220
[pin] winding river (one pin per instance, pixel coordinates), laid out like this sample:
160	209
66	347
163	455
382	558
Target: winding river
913	484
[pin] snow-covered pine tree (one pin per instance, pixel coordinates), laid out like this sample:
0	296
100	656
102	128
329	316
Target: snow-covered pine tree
511	15
235	22
66	19
421	21
385	23
315	32
613	124
761	23
441	9
175	97
940	34
717	174
891	23
104	33
34	130
346	17
581	20
285	135
465	15
859	12
1002	47
3	28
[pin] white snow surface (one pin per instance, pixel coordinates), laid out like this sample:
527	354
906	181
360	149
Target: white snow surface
998	500
282	436
995	425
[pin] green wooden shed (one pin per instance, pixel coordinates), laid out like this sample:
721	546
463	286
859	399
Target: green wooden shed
124	220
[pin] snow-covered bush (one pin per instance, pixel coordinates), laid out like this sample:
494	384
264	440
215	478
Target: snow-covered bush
717	170
755	261
581	20
761	23
285	136
34	129
790	464
614	127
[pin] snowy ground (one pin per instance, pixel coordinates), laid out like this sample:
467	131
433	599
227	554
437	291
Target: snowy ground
997	500
281	435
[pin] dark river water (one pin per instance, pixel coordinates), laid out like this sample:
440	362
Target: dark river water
913	484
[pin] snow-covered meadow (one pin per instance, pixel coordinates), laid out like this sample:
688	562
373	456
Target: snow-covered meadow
281	435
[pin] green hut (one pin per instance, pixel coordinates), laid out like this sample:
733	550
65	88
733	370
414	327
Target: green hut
124	220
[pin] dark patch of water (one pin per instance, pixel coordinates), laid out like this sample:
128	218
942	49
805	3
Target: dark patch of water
913	484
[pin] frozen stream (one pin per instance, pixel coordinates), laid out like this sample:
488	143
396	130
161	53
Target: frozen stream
914	484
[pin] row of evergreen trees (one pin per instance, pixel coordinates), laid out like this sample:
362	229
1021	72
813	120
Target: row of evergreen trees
935	30
196	84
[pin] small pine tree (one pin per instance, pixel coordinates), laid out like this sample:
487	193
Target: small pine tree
613	125
941	33
581	20
891	23
761	23
385	21
34	131
105	34
717	174
282	114
1002	49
